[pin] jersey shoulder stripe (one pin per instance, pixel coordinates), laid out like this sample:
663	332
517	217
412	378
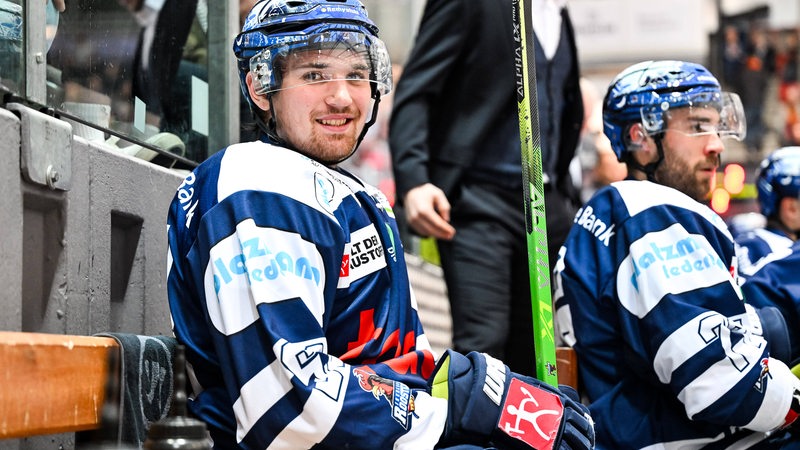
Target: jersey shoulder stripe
257	166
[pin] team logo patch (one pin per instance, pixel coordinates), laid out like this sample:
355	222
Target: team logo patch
531	415
761	383
397	394
324	191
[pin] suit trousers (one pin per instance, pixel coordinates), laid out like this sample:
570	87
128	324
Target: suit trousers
486	270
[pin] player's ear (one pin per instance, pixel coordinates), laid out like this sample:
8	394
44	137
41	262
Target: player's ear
259	100
636	134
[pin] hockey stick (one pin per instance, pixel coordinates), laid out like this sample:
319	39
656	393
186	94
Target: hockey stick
533	194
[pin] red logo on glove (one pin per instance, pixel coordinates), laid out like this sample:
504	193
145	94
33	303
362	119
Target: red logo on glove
531	415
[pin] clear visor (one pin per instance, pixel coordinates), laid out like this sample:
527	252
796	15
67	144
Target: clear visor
701	114
352	57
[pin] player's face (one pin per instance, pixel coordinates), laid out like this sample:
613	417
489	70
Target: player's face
324	102
691	153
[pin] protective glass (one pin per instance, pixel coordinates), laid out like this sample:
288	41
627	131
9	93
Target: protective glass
714	112
335	56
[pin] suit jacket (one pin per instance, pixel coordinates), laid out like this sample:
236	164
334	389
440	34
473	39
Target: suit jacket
458	89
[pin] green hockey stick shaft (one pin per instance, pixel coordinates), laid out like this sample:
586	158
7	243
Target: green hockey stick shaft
533	194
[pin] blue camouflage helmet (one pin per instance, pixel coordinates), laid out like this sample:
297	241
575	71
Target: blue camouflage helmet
645	92
778	177
275	28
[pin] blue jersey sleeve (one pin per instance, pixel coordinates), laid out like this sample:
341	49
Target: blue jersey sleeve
777	284
758	247
285	286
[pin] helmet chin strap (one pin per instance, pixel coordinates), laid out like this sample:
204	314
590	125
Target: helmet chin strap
270	128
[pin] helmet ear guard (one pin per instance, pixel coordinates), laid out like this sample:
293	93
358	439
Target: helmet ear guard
261	68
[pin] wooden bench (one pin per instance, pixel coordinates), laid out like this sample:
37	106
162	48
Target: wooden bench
567	364
119	383
51	383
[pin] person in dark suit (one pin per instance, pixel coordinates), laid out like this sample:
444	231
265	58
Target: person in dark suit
454	139
172	49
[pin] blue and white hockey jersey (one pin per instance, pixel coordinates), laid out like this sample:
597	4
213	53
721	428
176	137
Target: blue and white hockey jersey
288	286
760	246
646	292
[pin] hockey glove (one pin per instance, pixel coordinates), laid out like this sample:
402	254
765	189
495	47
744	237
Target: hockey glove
489	404
775	331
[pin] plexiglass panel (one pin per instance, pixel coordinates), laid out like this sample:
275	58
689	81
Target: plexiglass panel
12	70
136	68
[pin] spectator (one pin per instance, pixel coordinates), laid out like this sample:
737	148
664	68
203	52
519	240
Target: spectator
778	188
456	156
647	289
172	50
791	105
732	57
287	283
787	62
759	66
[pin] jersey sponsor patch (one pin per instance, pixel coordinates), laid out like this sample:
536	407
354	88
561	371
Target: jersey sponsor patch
363	256
670	261
531	415
761	383
260	265
397	394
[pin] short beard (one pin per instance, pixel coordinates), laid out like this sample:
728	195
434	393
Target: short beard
677	175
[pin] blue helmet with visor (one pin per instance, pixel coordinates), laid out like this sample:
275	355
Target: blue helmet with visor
646	92
778	177
274	30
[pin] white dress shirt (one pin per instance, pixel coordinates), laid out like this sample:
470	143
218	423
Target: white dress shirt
547	23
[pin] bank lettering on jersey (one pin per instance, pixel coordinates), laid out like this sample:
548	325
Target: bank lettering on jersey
185	196
363	255
598	228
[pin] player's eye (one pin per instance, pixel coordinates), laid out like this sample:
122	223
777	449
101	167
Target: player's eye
314	76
